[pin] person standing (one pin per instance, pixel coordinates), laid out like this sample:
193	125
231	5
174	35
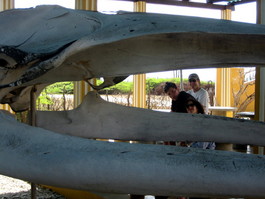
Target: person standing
178	97
200	94
195	107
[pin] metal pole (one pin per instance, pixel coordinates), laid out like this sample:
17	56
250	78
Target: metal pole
33	123
139	81
181	80
260	74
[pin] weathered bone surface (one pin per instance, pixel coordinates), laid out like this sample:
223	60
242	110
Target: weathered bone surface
60	44
108	81
45	157
96	118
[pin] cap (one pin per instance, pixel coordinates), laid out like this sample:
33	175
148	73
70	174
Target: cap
194	76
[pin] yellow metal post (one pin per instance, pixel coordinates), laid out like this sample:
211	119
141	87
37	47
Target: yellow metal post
6	4
139	6
86	5
81	88
223	88
223	78
226	14
139	81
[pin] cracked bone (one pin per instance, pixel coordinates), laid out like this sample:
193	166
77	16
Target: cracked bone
85	44
97	118
44	157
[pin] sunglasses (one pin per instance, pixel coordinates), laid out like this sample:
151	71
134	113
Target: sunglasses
192	80
188	105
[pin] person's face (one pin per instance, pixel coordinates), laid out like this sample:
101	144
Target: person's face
173	93
191	108
194	83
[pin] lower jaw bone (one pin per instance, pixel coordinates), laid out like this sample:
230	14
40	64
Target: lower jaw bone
44	157
96	118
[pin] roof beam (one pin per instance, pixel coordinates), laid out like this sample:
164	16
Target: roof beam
187	3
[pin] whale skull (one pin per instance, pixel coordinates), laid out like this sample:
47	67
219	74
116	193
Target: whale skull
60	44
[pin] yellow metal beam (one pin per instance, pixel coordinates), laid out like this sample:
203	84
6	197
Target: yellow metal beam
73	194
139	81
81	88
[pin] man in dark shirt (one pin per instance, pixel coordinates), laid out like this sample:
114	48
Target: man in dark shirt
179	98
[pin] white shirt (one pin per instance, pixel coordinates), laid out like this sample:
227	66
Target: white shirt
202	97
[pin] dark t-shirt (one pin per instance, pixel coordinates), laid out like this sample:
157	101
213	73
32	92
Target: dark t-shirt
178	105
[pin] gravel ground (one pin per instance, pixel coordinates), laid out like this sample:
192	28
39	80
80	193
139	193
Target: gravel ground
11	188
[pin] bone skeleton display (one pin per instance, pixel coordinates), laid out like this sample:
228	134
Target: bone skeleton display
47	44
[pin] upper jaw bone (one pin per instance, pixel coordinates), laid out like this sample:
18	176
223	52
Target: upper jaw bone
60	44
124	44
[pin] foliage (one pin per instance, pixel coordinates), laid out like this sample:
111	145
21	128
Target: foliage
60	88
54	96
44	99
121	88
127	87
46	102
153	82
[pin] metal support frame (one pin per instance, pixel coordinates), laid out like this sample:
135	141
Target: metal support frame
233	2
33	123
260	77
188	4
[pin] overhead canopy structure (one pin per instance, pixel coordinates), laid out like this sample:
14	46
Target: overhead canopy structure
209	4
